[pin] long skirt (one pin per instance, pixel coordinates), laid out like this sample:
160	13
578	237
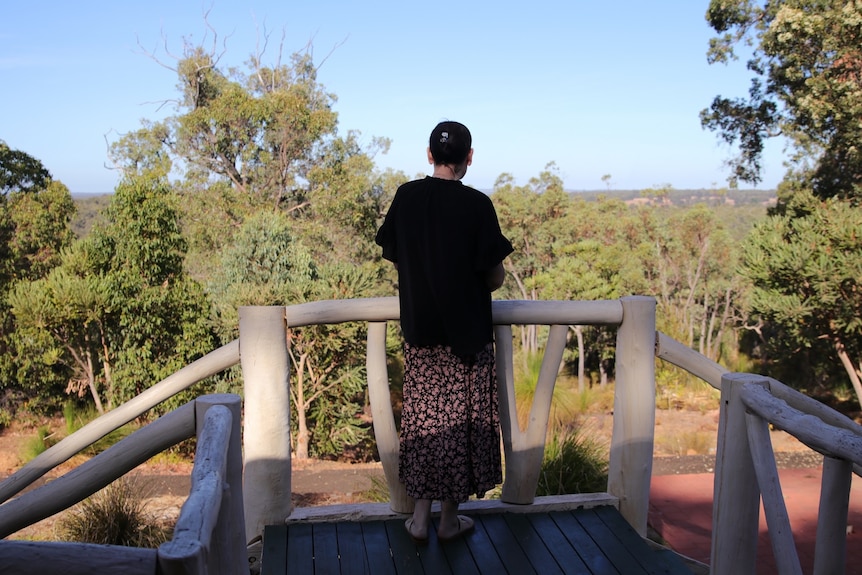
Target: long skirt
450	426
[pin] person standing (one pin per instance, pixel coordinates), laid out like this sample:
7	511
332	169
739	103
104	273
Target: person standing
445	241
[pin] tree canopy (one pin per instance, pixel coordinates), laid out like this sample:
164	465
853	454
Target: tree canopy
806	62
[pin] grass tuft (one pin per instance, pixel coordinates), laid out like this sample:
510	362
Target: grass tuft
573	463
114	516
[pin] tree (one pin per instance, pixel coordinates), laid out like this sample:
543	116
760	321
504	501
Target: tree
72	311
158	314
20	172
807	87
268	265
35	226
806	272
532	218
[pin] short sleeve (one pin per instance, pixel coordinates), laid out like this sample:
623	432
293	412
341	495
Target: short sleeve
492	246
386	236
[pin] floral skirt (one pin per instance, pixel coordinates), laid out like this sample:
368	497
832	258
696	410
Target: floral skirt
450	426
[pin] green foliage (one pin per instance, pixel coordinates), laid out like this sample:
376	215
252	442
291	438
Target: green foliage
76	416
804	55
572	463
114	516
35	446
20	172
805	267
564	401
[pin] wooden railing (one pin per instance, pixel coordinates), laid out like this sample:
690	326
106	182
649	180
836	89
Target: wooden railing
746	472
265	498
209	536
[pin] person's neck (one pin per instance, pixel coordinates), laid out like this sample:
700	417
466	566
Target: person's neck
445	172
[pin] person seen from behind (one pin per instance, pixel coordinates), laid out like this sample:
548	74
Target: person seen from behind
445	241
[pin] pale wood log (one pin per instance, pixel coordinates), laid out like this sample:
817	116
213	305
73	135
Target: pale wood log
508	408
228	551
382	417
212	363
526	448
98	472
809	429
55	558
682	356
736	497
811	406
523	312
382	511
630	464
777	519
193	548
266	373
830	547
504	312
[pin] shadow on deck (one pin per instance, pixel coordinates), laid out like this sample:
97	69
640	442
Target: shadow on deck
584	540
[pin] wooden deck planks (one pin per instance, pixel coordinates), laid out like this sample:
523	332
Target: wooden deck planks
586	541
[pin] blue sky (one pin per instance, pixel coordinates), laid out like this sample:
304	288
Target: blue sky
596	87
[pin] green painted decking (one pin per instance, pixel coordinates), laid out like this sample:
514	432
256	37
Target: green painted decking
584	541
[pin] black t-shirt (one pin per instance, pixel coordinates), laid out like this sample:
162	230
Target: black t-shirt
445	237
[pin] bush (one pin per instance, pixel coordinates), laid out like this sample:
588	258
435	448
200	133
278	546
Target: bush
35	446
572	463
114	516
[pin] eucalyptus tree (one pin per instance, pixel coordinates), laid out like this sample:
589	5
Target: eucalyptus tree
35	226
806	86
158	315
268	265
533	218
805	267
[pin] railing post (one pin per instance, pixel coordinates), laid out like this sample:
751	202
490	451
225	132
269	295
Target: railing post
228	548
630	464
266	373
382	417
736	495
830	548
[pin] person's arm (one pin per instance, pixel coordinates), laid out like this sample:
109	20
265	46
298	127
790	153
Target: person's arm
494	278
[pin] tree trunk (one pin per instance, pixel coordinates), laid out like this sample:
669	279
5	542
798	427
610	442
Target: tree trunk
851	369
579	335
301	408
91	382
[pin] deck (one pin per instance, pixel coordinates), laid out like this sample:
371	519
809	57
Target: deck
595	540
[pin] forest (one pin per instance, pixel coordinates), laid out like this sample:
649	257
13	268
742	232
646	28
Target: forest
250	195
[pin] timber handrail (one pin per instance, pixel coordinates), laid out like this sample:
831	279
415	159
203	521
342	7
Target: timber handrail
209	536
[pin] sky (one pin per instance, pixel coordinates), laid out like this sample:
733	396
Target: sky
597	88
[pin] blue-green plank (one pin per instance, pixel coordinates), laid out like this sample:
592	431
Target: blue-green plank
589	552
404	551
300	549
351	548
458	554
534	548
653	562
566	555
377	552
510	552
613	548
273	557
485	555
325	548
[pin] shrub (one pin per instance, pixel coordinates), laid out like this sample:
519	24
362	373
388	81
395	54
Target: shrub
573	463
114	516
35	446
